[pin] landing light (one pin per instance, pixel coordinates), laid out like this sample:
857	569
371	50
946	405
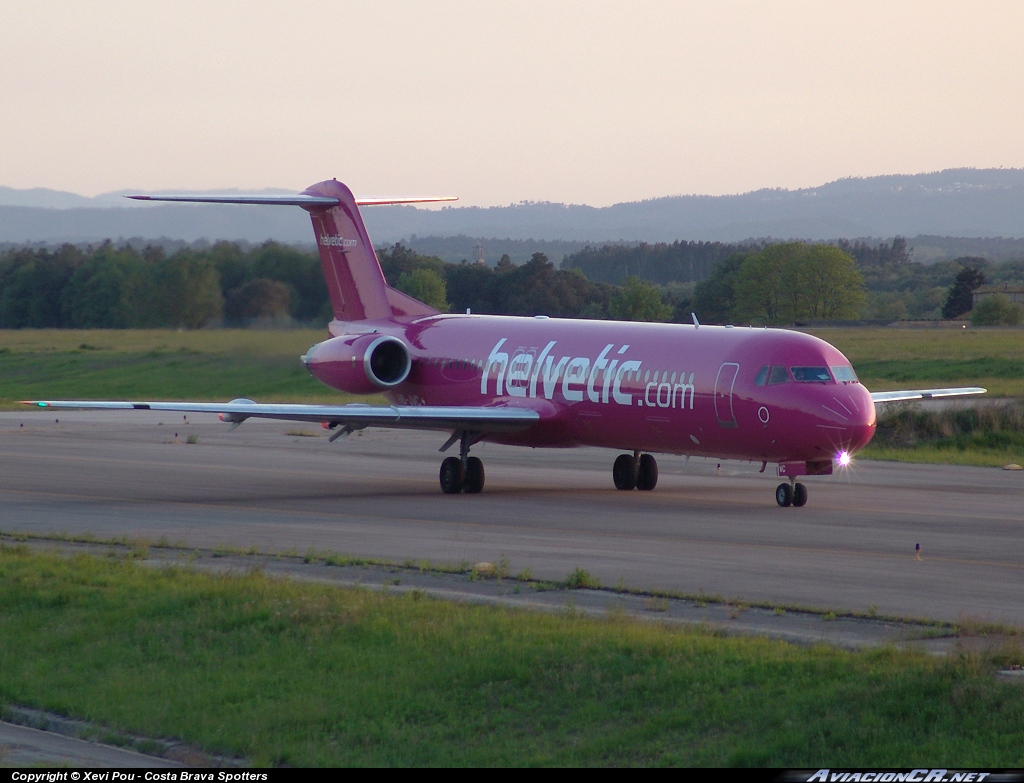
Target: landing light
844	458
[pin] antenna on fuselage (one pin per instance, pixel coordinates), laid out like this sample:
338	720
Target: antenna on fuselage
696	323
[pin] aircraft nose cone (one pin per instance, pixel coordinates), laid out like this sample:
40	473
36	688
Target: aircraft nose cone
851	411
862	424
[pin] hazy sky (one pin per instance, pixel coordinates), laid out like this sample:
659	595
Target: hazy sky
586	102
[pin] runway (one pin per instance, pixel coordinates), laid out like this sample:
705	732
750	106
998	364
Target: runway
375	494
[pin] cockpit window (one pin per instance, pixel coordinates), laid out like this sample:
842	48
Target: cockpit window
811	374
778	375
762	376
844	372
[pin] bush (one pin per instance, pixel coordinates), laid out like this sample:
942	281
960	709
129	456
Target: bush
997	310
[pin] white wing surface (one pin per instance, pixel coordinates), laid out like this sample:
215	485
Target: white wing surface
924	394
353	416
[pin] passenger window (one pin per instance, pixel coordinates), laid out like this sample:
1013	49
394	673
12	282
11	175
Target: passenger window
811	374
844	373
778	375
762	376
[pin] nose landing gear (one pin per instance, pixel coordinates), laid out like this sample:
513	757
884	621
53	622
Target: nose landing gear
792	494
635	471
799	495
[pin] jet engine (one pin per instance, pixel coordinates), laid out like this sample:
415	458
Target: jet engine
360	363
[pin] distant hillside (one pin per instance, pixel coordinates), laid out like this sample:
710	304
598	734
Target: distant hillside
951	203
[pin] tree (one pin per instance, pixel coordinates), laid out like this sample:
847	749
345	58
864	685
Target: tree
660	263
189	291
112	290
31	283
470	286
886	306
300	271
258	299
822	282
761	291
639	301
399	260
504	264
232	266
714	299
899	255
961	294
795	281
997	310
427	286
537	288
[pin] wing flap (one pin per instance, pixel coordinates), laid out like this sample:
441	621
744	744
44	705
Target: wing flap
924	394
417	417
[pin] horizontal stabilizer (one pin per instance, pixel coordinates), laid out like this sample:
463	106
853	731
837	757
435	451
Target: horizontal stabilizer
355	282
298	200
415	417
374	202
924	394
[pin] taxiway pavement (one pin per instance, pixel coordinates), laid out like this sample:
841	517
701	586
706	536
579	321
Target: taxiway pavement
279	486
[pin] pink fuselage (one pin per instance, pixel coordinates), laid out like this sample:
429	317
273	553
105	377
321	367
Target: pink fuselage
593	383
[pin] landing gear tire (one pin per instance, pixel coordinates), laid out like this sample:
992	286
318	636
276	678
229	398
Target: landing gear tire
799	495
452	476
647	472
624	472
784	495
474	479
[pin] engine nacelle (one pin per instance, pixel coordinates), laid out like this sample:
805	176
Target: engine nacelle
360	363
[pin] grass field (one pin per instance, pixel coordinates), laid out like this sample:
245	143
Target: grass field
908	358
286	673
159	365
990	435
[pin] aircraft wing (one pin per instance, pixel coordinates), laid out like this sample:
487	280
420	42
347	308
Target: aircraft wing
924	394
352	416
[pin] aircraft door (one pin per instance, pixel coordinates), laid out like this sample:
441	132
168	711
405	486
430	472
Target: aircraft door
723	394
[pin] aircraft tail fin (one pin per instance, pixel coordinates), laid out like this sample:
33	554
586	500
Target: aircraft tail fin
354	278
353	274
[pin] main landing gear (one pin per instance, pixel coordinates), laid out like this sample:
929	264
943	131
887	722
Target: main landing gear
635	471
463	473
791	494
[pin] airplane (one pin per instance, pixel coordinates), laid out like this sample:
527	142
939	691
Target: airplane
727	392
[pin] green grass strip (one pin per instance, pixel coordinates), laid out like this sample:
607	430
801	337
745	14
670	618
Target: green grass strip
203	365
170	376
933	455
943	370
992	435
287	673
